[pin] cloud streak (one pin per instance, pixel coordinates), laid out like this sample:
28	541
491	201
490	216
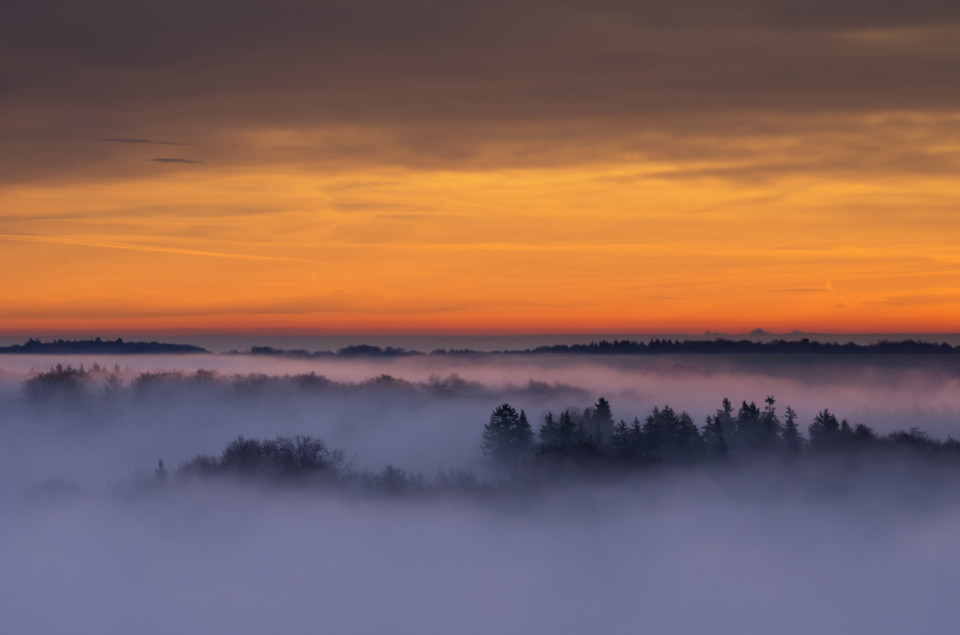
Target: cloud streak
138	141
175	160
80	242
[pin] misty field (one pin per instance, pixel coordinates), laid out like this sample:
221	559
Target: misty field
96	538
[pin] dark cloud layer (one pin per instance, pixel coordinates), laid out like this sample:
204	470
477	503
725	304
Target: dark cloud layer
441	83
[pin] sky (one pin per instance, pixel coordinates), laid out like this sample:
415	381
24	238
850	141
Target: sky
523	166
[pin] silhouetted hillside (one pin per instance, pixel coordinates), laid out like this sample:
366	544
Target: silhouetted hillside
651	347
603	347
99	347
734	347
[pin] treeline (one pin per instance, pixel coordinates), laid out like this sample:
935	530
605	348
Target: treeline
304	461
654	346
73	385
586	444
590	438
739	347
99	347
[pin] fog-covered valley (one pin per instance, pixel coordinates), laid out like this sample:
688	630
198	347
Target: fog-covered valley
92	541
421	413
244	561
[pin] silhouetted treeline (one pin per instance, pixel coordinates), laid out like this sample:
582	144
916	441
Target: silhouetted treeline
651	347
734	347
574	441
73	386
282	458
603	347
100	347
586	443
359	350
307	461
589	438
582	444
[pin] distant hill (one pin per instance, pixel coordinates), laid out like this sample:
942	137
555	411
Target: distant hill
732	347
359	350
99	347
603	347
653	347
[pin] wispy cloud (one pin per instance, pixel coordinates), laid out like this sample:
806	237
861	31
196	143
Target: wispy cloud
174	160
137	247
826	288
917	299
137	140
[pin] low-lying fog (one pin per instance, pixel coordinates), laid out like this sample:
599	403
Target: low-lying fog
688	553
605	560
438	427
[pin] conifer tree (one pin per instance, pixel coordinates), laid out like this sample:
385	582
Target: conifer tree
549	432
824	430
770	427
567	430
724	422
714	439
749	433
620	441
636	435
523	434
507	436
792	441
600	421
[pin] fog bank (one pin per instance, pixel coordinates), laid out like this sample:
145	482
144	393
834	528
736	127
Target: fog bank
429	414
688	557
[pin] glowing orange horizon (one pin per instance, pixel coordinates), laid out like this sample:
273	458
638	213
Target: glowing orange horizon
612	247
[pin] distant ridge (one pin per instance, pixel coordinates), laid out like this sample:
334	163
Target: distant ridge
657	346
98	346
733	347
359	350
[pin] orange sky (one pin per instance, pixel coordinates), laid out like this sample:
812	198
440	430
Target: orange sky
563	188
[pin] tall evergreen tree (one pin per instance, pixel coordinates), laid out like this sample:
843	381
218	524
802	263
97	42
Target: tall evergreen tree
824	430
523	434
636	434
724	422
688	441
507	436
770	427
567	430
549	432
653	432
621	442
600	422
749	433
792	441
714	439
